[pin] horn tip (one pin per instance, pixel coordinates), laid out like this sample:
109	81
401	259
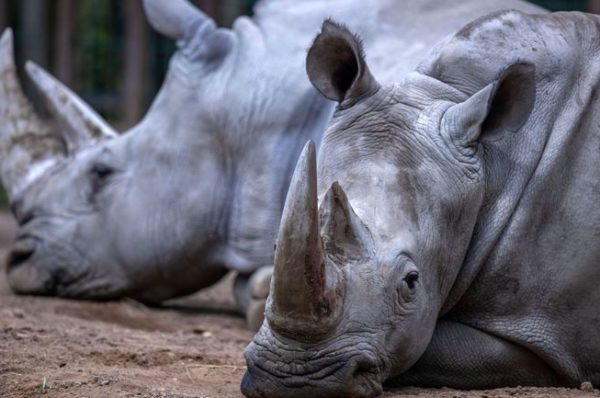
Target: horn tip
6	41
309	151
31	66
34	70
310	145
7	60
335	193
7	35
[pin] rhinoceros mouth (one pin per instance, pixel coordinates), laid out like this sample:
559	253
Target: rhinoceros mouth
355	375
42	267
344	379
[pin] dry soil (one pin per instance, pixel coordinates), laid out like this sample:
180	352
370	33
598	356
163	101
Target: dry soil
190	348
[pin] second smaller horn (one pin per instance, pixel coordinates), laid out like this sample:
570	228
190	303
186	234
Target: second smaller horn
82	125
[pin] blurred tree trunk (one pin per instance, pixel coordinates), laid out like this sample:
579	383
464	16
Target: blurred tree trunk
230	10
3	15
63	40
210	7
34	31
136	62
593	6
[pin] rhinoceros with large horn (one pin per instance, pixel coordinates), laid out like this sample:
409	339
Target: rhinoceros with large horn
449	235
198	186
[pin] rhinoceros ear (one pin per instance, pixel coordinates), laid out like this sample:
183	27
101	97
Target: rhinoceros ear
503	106
175	19
336	65
181	21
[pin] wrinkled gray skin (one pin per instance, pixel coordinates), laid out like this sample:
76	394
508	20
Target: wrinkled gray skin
456	242
197	188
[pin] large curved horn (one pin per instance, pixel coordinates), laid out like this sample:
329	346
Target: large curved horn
81	125
306	289
27	146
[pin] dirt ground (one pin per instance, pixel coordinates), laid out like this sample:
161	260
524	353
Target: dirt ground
192	348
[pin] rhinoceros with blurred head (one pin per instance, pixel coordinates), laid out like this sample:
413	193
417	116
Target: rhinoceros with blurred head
456	241
198	186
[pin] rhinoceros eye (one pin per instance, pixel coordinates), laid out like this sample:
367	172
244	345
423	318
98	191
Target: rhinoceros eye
411	279
100	172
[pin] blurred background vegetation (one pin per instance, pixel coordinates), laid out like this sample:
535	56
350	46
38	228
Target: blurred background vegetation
103	49
107	53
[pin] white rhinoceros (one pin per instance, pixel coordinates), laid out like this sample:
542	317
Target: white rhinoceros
197	188
463	249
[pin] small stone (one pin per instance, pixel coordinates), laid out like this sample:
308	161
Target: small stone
62	364
586	386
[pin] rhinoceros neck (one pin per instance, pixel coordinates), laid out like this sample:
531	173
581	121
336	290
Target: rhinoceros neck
258	137
517	166
263	173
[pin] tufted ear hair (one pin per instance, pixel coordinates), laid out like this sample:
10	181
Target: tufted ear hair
503	106
336	65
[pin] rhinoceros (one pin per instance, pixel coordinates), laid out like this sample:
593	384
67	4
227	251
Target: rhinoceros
198	186
449	235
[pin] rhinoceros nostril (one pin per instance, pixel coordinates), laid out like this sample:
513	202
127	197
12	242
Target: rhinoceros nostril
21	252
248	387
365	380
365	367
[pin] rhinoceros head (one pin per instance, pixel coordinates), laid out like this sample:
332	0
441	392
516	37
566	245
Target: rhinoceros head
103	215
360	279
40	170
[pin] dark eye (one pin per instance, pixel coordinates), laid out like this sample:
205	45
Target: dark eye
411	279
100	172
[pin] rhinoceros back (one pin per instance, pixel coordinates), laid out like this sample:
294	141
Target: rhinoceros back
532	271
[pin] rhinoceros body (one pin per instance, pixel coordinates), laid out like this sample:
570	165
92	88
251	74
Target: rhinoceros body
456	242
197	188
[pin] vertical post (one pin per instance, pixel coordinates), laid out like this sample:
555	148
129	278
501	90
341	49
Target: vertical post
210	7
593	6
230	10
34	30
3	15
136	62
63	40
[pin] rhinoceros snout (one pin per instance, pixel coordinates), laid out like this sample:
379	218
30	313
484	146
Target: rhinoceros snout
249	388
21	252
23	276
354	380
